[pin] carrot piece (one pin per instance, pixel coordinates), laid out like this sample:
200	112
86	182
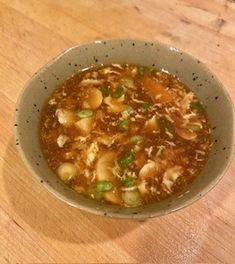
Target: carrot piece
155	88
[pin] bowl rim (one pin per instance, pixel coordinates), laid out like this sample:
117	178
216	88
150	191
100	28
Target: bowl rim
102	212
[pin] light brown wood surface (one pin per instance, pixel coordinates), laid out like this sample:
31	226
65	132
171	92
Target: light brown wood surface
34	225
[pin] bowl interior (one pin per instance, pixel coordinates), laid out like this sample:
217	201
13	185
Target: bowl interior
189	70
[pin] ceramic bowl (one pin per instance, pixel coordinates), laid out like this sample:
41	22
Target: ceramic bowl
189	70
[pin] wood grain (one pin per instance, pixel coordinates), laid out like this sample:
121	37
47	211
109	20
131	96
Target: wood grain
34	225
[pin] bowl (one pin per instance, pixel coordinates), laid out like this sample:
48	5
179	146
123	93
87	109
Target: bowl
189	70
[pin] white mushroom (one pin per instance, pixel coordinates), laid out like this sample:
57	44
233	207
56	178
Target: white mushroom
151	124
170	177
104	166
149	170
94	98
104	172
61	140
65	117
114	105
85	125
66	171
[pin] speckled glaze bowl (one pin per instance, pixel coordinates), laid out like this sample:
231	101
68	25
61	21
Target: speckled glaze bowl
190	70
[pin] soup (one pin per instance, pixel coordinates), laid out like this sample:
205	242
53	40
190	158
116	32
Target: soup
125	134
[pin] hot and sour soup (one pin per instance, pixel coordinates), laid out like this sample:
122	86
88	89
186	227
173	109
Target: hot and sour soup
125	134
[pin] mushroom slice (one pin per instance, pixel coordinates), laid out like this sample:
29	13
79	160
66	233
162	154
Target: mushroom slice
104	166
66	171
65	117
85	125
114	105
151	124
149	170
104	172
170	177
94	98
186	133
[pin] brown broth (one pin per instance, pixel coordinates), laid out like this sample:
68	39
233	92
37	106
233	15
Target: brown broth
125	134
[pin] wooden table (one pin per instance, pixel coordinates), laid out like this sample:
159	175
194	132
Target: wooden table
34	225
